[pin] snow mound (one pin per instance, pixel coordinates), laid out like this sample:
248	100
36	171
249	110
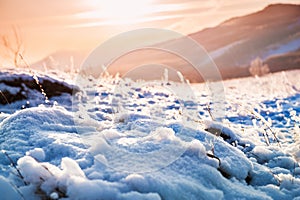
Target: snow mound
50	131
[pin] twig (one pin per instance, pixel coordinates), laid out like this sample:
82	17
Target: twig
4	97
266	137
14	165
267	125
22	196
258	116
35	79
213	156
210	113
294	173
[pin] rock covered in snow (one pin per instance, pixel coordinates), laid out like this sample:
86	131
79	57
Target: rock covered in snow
16	86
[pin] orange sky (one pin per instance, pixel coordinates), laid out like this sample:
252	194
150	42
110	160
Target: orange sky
47	26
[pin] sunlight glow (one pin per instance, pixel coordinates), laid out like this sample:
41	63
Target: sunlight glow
121	12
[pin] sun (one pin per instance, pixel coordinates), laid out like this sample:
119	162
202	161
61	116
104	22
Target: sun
119	11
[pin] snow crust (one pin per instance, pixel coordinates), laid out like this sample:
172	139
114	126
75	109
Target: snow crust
158	146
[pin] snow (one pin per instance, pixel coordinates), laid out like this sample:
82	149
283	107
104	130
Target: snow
145	142
292	45
32	171
36	153
7	190
54	195
233	162
217	53
262	154
12	90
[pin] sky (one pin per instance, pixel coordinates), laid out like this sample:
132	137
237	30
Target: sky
47	26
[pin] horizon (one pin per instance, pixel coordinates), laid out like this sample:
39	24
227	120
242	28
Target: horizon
83	25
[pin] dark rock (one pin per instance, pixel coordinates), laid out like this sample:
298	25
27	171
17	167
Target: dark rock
16	86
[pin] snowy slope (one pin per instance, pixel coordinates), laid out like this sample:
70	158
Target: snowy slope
120	139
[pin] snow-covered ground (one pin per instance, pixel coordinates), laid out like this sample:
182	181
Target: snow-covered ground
119	139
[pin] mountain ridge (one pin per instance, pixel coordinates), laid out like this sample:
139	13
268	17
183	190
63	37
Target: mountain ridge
233	44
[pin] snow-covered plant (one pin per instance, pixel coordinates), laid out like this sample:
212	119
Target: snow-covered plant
13	164
257	68
265	125
35	78
13	46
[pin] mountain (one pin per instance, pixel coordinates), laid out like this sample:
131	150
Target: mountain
236	42
232	45
271	34
64	60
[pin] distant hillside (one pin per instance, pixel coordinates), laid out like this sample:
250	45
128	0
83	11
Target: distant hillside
232	45
65	61
284	61
235	42
272	34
